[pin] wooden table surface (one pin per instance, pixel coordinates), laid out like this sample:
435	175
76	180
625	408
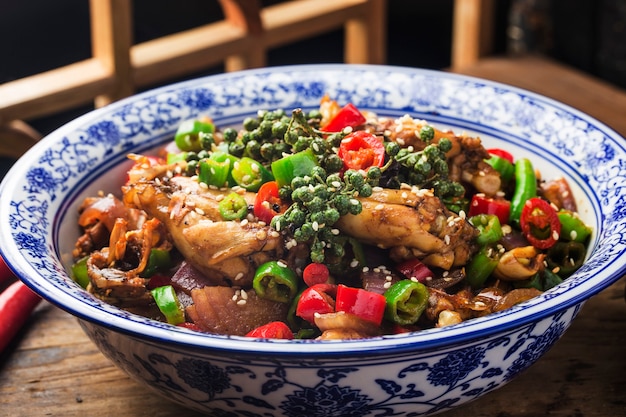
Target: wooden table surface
53	369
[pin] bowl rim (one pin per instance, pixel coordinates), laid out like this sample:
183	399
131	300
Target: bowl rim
427	339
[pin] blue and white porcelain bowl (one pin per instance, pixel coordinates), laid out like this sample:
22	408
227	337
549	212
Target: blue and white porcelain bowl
411	374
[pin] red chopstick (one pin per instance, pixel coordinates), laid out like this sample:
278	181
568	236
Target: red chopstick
17	302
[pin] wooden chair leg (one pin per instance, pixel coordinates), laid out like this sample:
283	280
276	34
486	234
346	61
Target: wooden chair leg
245	14
111	40
17	137
365	36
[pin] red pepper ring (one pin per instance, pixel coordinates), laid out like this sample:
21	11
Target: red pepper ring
361	150
540	223
267	202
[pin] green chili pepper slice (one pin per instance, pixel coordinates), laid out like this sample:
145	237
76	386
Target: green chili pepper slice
550	279
525	188
533	282
572	227
276	282
250	174
503	166
566	257
222	156
488	225
291	166
79	272
542	281
481	266
233	207
158	260
175	157
405	301
212	172
169	304
188	134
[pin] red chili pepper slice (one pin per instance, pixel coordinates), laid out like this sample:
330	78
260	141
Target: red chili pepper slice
316	299
502	154
349	115
190	326
481	204
361	150
272	330
267	202
367	305
315	273
540	223
414	268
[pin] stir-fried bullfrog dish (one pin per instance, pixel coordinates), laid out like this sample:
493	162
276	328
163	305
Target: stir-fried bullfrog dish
329	224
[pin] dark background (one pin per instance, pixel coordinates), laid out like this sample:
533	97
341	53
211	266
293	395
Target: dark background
38	35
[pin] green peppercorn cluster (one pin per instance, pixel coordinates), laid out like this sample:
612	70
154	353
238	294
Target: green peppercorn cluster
322	197
270	134
427	168
319	200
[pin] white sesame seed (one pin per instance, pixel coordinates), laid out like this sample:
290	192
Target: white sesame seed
282	264
387	284
241	302
199	211
238	276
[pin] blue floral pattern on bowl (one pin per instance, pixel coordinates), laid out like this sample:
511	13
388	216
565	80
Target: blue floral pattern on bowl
411	385
412	374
